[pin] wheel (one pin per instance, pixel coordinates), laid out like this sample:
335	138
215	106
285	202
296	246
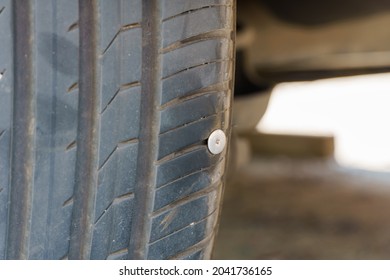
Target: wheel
106	108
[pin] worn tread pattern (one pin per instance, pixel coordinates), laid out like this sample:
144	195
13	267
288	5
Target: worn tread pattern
175	226
118	140
6	100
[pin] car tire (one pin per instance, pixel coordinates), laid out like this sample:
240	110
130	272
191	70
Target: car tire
106	108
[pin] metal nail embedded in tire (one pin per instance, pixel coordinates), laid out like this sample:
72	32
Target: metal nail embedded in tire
217	142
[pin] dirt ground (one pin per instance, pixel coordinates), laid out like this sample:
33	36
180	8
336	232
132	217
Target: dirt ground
313	209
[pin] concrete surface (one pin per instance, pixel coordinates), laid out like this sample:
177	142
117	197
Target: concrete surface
304	209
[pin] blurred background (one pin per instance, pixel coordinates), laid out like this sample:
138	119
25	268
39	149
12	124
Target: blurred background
309	174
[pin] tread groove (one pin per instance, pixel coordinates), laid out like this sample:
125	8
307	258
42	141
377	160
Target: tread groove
194	248
115	201
193	122
2	133
121	89
195	66
193	10
185	200
71	146
68	202
130	85
117	253
214	34
181	152
148	146
119	145
73	26
108	158
111	42
87	134
111	100
127	142
223	86
73	87
123	197
23	134
190	174
130	26
122	29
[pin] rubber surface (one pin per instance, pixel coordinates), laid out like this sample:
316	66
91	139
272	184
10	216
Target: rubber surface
105	111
